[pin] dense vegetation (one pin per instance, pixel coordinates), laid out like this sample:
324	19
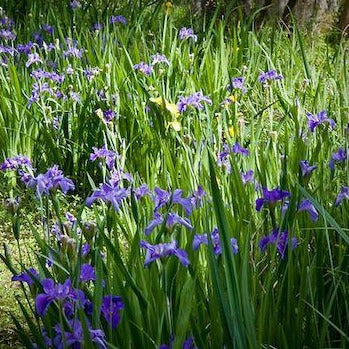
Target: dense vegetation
186	183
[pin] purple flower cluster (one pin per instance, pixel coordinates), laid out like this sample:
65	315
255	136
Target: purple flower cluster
29	277
72	49
33	58
144	68
343	194
74	338
108	115
171	219
338	157
223	156
237	83
42	74
48	181
318	119
111	306
15	163
103	153
186	33
158	58
87	273
271	197
69	298
307	206
279	239
269	76
109	192
306	168
195	100
247	176
154	252
75	4
216	243
117	19
90	73
7	35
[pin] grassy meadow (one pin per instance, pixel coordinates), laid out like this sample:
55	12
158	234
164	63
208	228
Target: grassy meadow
170	181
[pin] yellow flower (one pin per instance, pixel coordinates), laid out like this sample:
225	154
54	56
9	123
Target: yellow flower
231	131
172	108
157	100
168	7
232	98
176	125
99	113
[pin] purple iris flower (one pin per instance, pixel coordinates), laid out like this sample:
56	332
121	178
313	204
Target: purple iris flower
42	74
161	198
33	58
306	168
103	153
108	115
343	194
117	176
118	19
7	35
237	83
52	293
195	100
52	179
87	273
85	249
108	192
144	68
48	28
142	191
155	252
28	277
75	4
223	155
247	177
158	58
186	33
16	162
97	26
25	48
72	49
111	306
189	343
197	197
269	75
172	219
306	205
75	337
216	243
340	156
186	203
271	196
318	119
75	96
157	220
238	149
279	239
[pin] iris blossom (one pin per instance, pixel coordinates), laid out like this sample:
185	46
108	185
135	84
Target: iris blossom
279	239
158	251
271	197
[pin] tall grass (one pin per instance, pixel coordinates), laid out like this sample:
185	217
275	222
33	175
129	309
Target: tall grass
246	300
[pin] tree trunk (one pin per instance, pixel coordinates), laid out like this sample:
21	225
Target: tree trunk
317	15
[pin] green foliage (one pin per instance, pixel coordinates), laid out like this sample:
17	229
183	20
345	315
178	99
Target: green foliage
246	300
